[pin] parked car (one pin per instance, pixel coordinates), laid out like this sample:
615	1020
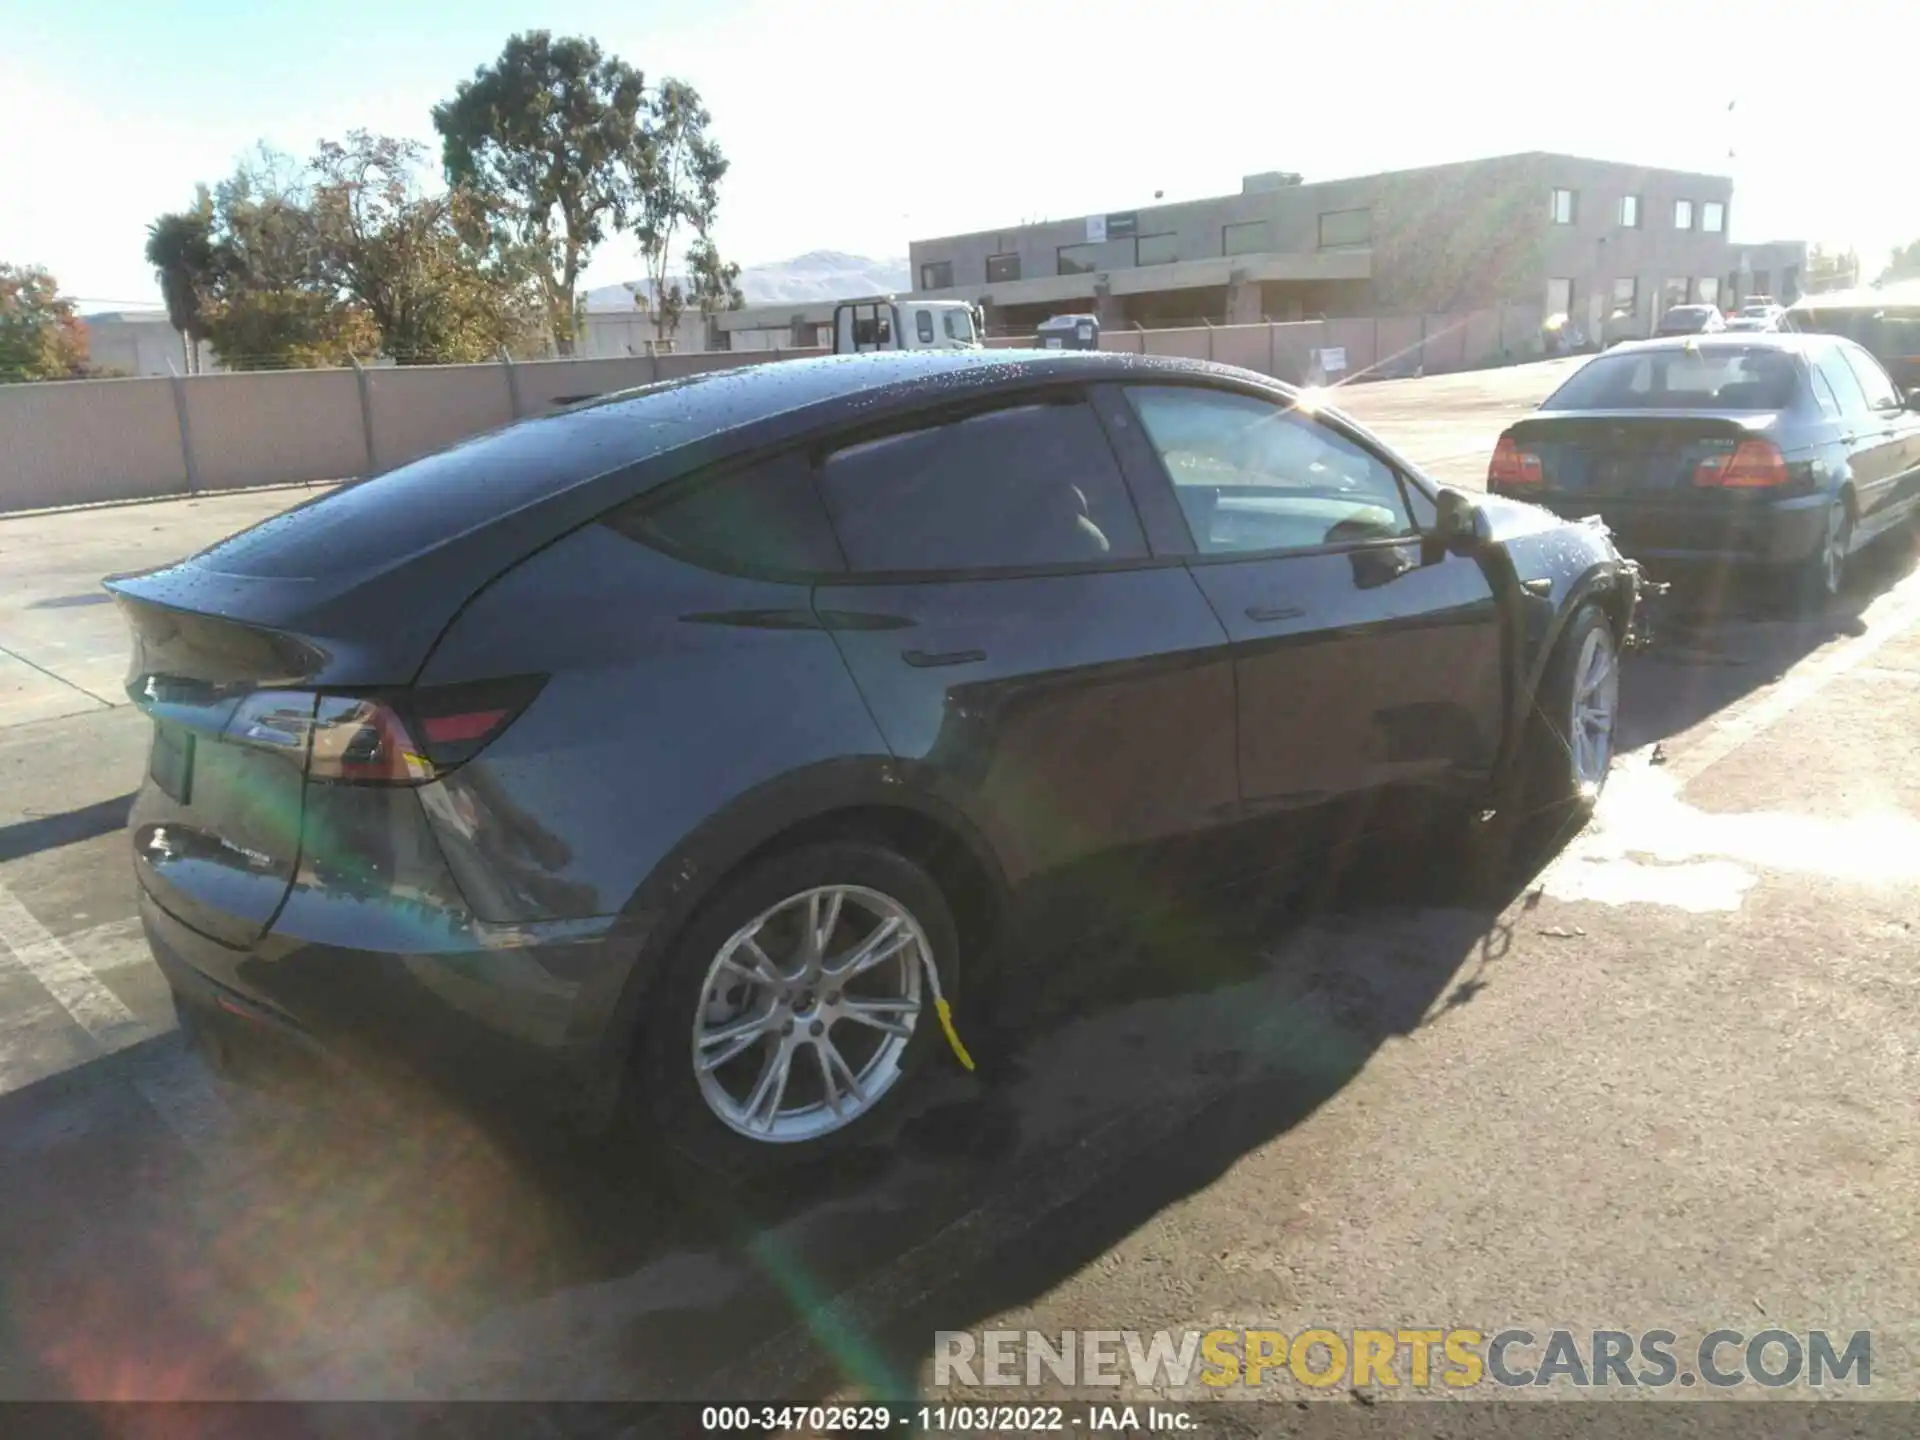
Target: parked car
1752	324
1781	451
698	747
1691	320
1761	307
1885	319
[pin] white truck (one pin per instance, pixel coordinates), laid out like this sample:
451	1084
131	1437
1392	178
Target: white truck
886	323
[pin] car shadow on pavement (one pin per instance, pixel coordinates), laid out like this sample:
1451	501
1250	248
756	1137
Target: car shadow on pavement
1719	637
249	1246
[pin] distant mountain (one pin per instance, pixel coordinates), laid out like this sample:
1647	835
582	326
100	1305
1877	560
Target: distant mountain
818	275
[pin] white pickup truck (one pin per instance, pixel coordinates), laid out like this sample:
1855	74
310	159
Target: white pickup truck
884	323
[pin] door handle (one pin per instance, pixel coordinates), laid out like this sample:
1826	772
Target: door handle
1267	613
924	659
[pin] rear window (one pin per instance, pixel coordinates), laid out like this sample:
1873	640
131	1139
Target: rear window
1704	379
378	521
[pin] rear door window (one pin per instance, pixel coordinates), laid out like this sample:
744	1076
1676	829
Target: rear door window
1026	487
1846	385
763	518
1878	386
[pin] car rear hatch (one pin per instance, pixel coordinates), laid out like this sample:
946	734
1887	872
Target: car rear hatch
1652	475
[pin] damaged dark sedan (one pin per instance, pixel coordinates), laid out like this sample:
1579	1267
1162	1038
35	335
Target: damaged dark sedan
688	753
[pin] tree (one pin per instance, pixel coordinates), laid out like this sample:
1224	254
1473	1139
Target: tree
273	304
40	336
675	178
1903	264
180	249
403	256
1830	269
715	283
548	135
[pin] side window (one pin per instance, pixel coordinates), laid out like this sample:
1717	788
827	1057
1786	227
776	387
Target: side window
1031	486
1253	476
959	325
1881	392
923	326
764	517
1846	386
1823	393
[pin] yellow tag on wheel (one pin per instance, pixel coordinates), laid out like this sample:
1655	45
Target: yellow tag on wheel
945	1012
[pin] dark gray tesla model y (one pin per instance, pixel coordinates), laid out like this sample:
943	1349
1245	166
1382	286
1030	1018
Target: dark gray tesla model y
691	747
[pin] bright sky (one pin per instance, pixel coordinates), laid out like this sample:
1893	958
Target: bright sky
857	126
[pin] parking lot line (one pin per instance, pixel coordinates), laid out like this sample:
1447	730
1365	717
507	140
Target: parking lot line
68	979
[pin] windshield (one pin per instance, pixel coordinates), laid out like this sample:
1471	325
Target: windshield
1716	379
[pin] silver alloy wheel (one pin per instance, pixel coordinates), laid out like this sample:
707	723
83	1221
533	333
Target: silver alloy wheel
1596	700
807	1011
1833	559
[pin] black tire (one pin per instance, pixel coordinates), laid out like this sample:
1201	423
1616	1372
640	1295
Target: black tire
669	1094
1554	799
1819	579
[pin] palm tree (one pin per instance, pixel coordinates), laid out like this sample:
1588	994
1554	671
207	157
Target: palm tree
180	248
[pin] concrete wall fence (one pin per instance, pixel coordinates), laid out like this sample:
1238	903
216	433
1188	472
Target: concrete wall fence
83	442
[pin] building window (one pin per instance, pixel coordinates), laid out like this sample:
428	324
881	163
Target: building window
1564	207
1626	296
1629	212
937	275
1079	259
1713	217
1673	293
1340	228
1156	249
1559	298
1002	267
1707	290
1248	238
1683	214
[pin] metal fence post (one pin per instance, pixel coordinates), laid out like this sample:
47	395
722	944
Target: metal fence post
513	384
1209	324
186	431
366	412
1273	354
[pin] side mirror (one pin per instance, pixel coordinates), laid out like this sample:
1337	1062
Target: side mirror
1463	528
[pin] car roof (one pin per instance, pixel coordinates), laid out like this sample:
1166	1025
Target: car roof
1787	340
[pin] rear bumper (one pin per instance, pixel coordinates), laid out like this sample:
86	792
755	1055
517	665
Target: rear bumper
516	1020
1764	534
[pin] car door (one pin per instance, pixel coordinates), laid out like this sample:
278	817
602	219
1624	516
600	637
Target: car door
1894	429
1871	442
1025	656
1368	663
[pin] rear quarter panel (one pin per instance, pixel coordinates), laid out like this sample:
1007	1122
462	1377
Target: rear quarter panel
674	692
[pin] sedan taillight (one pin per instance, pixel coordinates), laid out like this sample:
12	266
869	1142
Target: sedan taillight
1751	465
1513	466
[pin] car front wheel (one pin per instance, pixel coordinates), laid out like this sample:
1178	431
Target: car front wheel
799	1008
1570	748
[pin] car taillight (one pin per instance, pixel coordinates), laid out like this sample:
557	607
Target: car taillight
410	737
1513	466
1751	465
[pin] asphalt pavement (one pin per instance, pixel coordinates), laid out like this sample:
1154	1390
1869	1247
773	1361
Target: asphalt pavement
1670	1085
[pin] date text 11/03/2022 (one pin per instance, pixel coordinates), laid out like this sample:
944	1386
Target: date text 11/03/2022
958	1419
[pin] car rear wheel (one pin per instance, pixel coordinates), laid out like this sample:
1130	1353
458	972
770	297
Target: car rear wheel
1823	575
799	1008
